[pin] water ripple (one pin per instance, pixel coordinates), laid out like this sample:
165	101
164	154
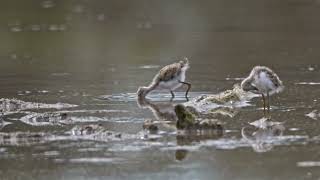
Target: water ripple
308	83
93	160
308	164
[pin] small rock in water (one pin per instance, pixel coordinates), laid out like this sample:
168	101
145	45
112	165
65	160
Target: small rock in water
188	121
185	118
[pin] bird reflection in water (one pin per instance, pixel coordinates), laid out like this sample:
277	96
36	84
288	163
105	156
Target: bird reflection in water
190	137
264	137
166	116
163	112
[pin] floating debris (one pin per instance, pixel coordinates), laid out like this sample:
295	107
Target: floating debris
45	119
308	164
96	132
43	91
9	106
294	129
94	111
152	128
86	129
3	123
308	83
149	66
22	138
310	68
94	160
235	79
229	98
315	114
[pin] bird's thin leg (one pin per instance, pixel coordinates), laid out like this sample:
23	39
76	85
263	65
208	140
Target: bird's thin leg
172	94
264	104
268	96
189	87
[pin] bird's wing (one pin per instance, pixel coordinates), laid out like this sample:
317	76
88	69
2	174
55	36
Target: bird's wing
169	72
274	78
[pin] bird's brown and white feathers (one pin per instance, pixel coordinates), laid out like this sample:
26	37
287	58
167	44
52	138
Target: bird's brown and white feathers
167	78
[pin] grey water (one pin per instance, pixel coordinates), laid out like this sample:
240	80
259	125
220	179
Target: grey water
70	69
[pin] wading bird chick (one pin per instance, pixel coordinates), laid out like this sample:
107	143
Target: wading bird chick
169	78
262	80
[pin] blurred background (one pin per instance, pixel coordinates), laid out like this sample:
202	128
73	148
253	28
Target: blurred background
104	41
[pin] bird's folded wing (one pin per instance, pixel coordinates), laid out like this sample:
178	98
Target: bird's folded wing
274	78
169	72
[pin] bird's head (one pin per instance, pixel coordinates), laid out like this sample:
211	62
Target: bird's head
246	85
184	63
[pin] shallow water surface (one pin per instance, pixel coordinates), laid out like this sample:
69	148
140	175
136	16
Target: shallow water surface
70	69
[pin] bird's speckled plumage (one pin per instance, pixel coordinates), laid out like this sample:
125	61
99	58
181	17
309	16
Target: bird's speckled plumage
171	71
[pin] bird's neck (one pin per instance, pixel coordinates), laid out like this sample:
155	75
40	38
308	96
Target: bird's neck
150	88
246	84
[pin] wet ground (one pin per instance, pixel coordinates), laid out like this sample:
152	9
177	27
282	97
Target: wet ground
70	69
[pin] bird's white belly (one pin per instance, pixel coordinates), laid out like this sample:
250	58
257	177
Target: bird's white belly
264	84
173	83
